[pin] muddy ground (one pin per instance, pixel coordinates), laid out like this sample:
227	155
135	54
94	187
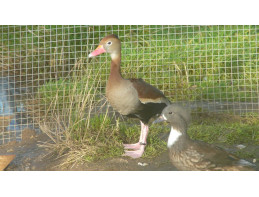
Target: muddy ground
30	156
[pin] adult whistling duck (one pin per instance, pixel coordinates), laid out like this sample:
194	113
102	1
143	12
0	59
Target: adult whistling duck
187	154
130	97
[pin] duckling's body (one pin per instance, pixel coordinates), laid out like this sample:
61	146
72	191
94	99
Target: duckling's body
188	154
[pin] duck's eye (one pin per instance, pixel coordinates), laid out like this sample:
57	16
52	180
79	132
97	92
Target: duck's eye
170	112
109	43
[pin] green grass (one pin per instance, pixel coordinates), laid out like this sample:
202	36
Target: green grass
110	138
225	128
130	132
100	139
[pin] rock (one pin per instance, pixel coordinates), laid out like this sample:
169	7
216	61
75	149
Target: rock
241	146
142	164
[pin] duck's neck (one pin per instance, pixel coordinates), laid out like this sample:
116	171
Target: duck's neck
178	134
174	136
115	74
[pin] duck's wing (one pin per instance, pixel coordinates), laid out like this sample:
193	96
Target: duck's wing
216	158
152	100
148	93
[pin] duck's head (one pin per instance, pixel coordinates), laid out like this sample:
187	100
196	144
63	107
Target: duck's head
177	116
109	44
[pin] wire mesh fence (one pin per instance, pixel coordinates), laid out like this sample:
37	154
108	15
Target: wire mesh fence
45	69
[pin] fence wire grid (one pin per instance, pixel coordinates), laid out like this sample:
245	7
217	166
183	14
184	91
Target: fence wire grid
213	68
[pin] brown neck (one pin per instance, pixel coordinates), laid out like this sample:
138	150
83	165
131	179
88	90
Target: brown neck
115	69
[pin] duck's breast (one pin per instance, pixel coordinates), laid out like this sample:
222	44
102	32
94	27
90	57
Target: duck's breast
123	97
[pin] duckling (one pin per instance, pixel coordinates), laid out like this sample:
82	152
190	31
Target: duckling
188	154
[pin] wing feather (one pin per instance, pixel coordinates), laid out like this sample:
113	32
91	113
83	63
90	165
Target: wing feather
148	93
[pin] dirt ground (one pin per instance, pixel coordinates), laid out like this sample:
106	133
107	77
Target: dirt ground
32	157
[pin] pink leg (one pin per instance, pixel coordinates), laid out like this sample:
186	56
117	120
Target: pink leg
137	145
138	148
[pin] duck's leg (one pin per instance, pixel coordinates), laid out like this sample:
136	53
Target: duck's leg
136	146
140	146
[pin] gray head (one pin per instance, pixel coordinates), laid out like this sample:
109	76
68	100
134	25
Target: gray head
177	116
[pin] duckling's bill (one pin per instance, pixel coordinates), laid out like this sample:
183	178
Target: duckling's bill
161	118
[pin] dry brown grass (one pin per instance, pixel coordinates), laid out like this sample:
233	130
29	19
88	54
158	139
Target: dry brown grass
70	128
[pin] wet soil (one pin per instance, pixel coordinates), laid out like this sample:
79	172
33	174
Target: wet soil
32	157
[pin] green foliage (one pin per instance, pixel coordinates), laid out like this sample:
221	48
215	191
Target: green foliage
227	129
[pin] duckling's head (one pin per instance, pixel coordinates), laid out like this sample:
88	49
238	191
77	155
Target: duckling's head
177	116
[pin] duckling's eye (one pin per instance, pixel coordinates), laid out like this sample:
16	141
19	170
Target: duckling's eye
170	112
109	43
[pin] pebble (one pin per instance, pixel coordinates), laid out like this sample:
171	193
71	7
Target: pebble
254	160
142	164
240	146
